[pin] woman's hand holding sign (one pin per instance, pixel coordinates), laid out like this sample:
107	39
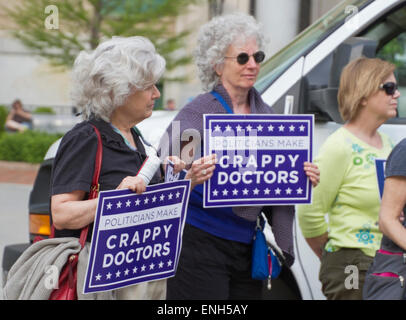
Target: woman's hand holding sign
201	170
134	183
313	172
139	182
178	164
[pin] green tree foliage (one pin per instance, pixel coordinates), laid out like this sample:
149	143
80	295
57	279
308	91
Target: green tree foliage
44	110
84	24
393	50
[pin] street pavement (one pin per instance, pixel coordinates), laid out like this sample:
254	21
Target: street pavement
16	180
18	172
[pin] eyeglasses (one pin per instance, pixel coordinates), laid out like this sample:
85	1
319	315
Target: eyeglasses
243	57
389	87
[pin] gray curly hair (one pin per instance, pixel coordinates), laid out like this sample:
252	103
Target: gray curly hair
103	79
214	39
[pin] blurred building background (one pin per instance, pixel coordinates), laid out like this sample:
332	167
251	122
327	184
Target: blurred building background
31	79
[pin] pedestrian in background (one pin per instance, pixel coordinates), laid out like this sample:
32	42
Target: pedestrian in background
391	215
348	190
18	119
170	105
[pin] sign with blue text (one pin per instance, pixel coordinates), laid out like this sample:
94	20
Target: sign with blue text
380	174
136	238
259	159
170	174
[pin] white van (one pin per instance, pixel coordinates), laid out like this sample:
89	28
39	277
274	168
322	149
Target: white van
302	78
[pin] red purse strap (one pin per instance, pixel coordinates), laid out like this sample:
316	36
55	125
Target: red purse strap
94	189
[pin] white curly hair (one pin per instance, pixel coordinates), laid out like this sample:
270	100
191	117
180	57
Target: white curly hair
104	77
214	39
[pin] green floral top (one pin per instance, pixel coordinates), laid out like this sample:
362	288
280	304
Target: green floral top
348	193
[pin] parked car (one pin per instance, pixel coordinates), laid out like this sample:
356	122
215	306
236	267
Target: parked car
303	78
39	211
54	123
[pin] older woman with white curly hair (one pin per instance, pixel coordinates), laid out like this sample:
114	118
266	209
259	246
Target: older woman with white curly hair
215	260
114	86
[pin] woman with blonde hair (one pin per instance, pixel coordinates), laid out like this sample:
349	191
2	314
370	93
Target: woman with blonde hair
348	190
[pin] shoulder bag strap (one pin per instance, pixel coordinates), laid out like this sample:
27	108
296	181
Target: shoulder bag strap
94	189
222	101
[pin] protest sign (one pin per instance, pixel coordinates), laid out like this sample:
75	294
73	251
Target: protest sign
380	174
170	174
260	159
136	238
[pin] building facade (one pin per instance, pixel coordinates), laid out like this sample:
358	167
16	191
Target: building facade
31	79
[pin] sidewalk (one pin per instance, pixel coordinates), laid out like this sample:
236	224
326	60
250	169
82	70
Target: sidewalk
18	172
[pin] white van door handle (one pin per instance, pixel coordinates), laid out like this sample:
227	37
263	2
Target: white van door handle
289	101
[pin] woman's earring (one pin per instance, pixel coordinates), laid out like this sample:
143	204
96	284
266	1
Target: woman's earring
218	70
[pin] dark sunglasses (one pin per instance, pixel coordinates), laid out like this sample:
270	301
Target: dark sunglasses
243	57
389	87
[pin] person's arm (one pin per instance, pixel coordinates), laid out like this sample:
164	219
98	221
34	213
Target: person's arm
393	202
10	115
332	163
72	175
186	154
25	114
313	173
11	124
70	211
317	244
14	125
201	170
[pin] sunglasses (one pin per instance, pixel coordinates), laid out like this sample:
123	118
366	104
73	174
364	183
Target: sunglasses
243	57
389	87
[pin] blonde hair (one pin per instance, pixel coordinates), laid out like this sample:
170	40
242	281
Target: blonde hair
359	80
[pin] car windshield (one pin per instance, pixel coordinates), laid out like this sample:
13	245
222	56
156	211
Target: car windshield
314	34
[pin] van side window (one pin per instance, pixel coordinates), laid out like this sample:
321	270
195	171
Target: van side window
395	52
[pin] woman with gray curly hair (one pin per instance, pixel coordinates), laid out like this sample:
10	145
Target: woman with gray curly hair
215	260
114	85
105	78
